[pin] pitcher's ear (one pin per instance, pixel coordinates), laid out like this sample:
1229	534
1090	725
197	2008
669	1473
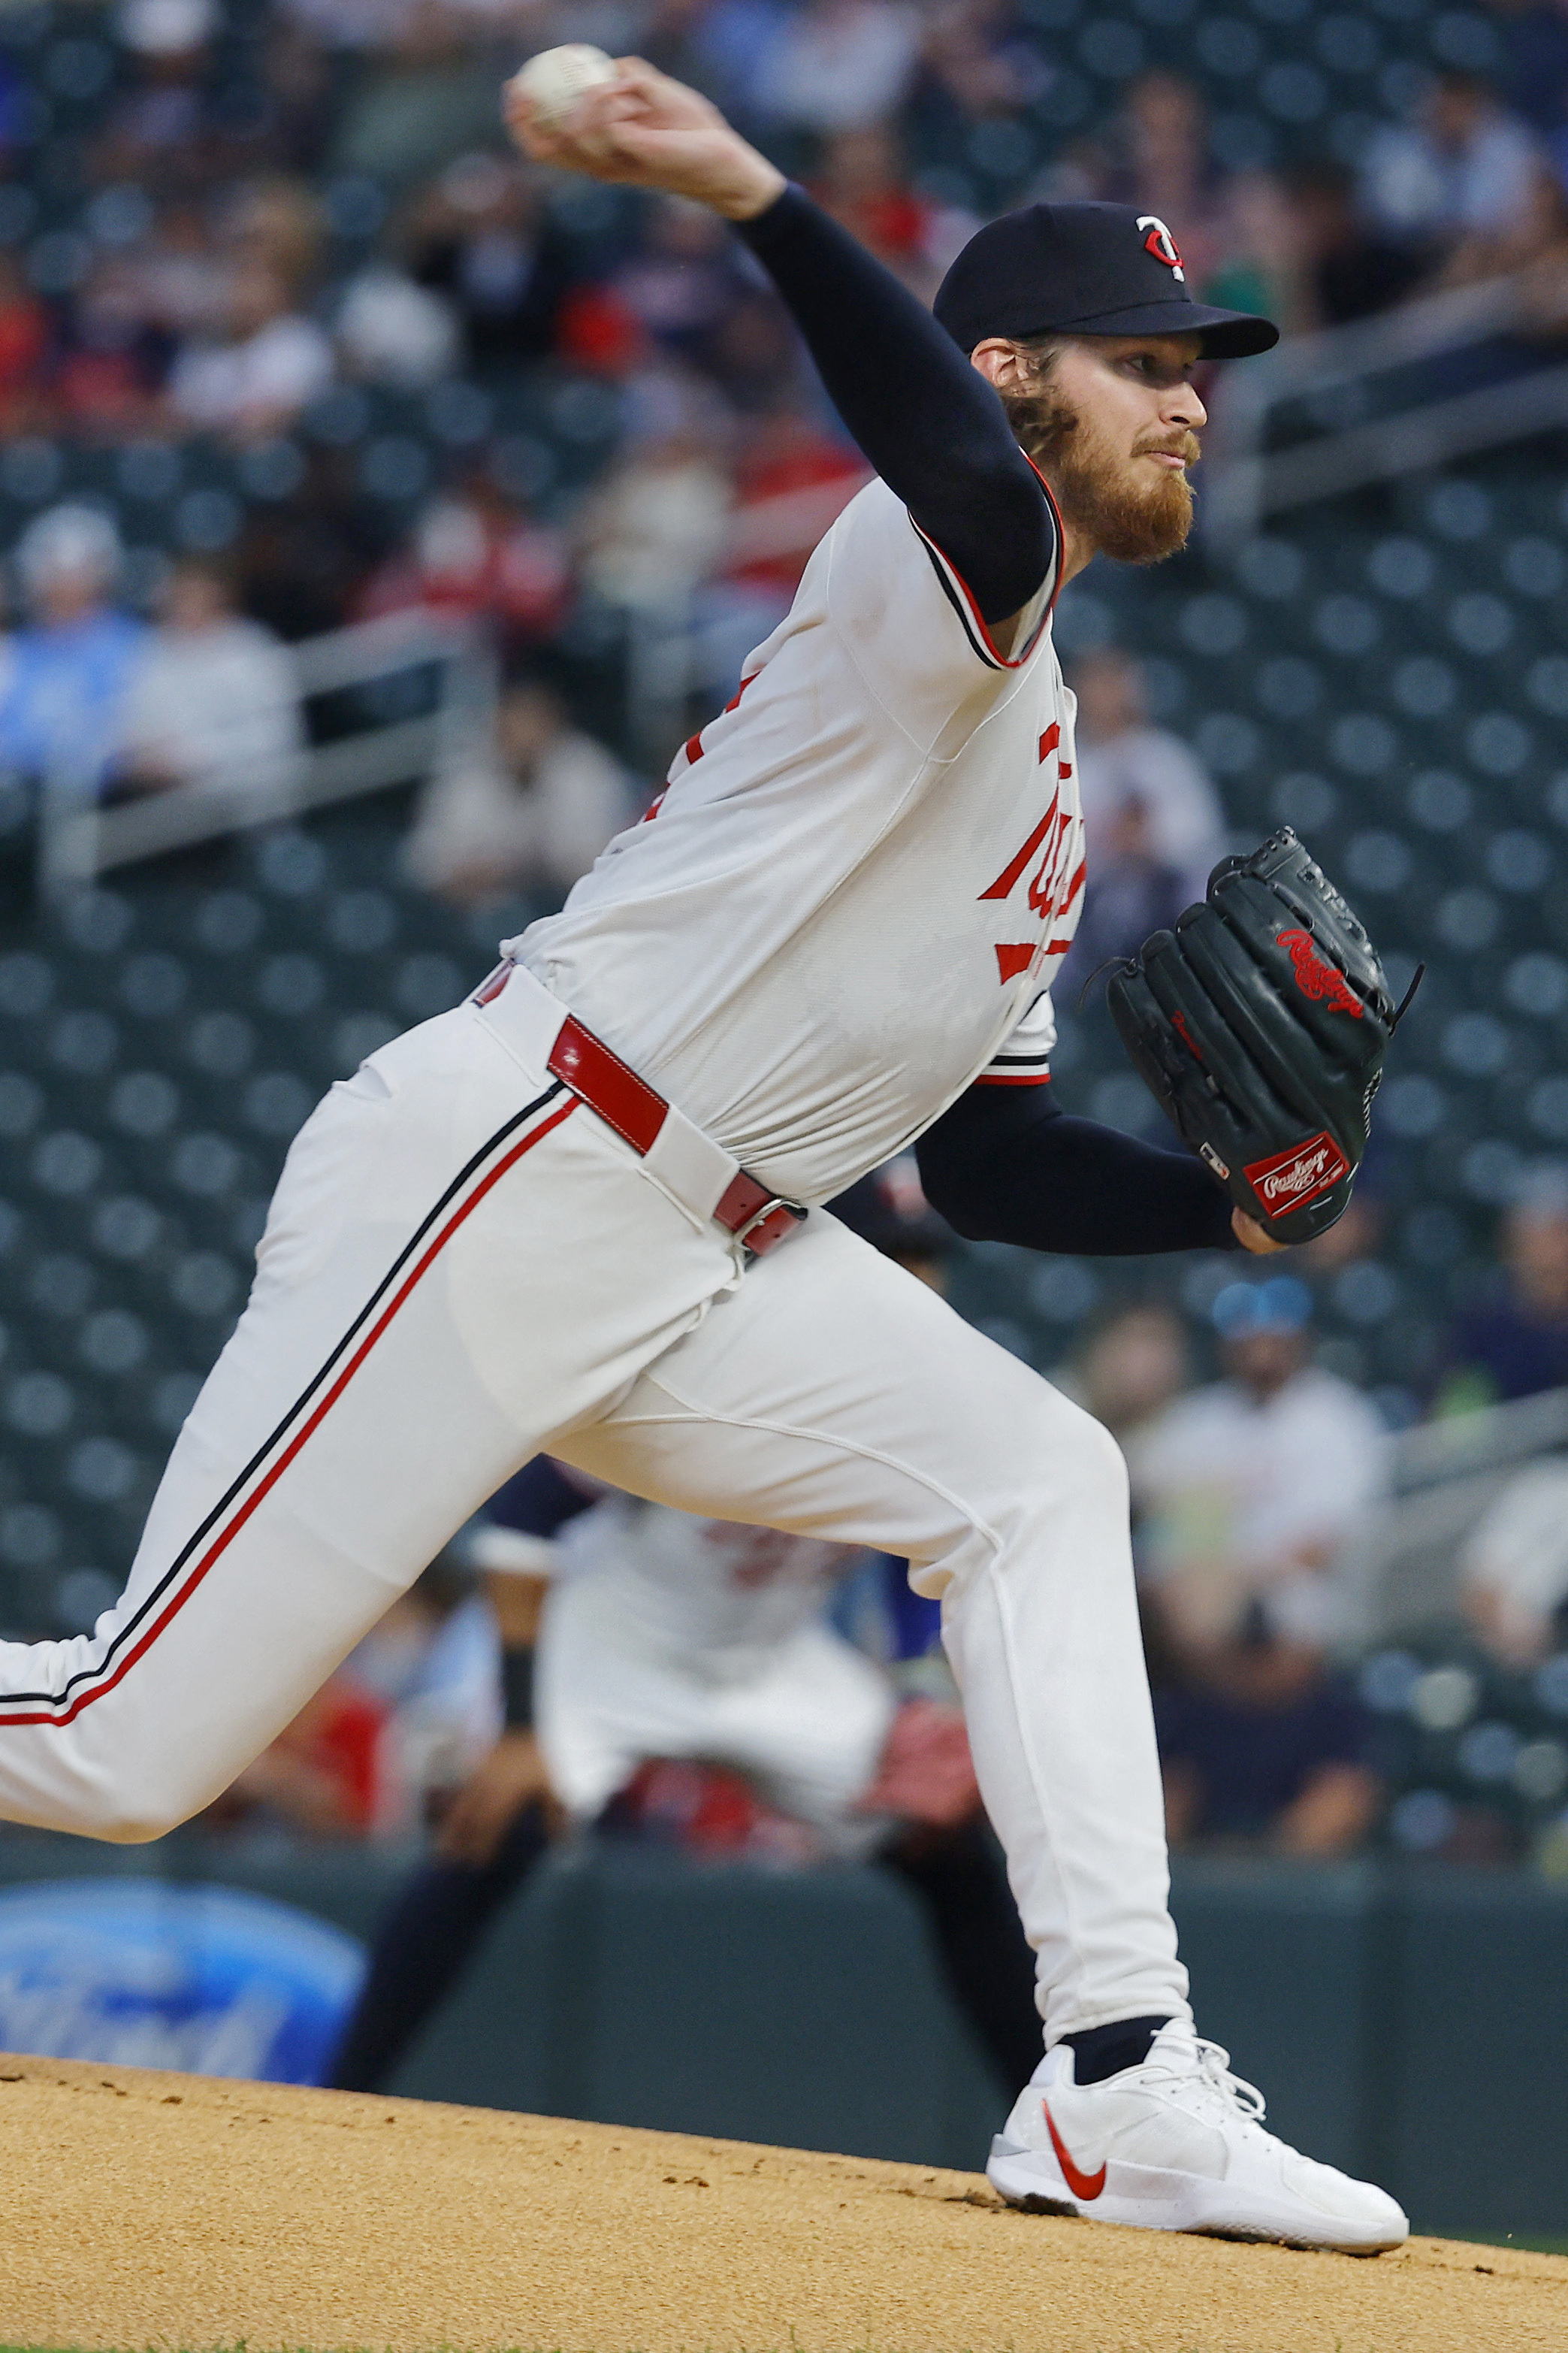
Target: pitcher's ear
1000	362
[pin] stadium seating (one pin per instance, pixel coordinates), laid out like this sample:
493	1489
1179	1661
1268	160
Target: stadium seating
1283	77
158	1049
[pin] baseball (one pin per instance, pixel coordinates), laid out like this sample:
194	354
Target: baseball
554	79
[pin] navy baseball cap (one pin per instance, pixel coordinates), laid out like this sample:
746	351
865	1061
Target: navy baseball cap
1085	269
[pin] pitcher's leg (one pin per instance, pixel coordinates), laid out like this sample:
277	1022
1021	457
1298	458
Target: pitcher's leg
833	1395
450	1271
1050	1620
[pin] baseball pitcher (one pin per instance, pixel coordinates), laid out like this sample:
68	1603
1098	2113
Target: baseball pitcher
580	1211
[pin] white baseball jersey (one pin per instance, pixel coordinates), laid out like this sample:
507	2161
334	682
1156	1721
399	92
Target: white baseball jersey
858	878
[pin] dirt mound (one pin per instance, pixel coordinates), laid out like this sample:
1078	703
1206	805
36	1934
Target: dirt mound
141	2209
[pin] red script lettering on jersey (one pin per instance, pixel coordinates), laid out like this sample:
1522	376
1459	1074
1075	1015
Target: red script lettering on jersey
1002	887
1317	977
1054	885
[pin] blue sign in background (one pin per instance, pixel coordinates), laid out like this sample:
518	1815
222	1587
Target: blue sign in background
154	1974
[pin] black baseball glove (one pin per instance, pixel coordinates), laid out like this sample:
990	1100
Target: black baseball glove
1260	1024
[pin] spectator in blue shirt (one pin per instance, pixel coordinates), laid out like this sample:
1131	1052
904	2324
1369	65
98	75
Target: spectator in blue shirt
64	675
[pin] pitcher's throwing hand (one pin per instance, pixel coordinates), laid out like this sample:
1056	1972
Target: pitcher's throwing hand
645	131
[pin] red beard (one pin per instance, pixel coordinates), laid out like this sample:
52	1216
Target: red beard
1121	507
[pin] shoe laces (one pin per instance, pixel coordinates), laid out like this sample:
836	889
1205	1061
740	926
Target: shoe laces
1204	2067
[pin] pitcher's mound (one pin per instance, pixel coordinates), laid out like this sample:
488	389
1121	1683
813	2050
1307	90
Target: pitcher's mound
141	2209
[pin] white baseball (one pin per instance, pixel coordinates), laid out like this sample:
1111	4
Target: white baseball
554	81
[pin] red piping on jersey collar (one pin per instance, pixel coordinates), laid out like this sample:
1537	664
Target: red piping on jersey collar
1004	661
977	621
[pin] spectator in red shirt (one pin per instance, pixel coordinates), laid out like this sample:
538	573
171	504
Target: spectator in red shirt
863	183
475	552
322	1774
112	360
791	482
24	340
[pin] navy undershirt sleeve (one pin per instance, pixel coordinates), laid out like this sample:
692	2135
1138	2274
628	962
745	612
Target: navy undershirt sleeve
927	420
1004	1165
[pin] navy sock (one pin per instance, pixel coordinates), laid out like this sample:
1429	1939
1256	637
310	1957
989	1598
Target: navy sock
1102	2051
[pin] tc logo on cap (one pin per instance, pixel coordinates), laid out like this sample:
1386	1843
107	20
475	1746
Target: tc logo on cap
1161	244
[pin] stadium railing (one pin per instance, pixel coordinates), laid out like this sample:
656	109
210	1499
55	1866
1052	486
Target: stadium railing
1317	389
372	672
1443	1475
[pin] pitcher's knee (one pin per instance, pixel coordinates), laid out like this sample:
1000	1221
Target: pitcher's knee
121	1819
1077	1458
130	1801
1104	1464
1065	1470
135	1826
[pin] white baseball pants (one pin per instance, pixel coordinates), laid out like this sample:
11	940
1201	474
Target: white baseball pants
464	1266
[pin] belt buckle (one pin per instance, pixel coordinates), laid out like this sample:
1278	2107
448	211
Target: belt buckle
770	1225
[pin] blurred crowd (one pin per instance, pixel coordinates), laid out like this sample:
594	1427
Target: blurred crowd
1268	1534
277	209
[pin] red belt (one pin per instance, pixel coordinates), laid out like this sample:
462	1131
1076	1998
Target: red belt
758	1219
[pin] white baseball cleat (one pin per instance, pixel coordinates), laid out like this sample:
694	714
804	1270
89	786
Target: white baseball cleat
1177	2144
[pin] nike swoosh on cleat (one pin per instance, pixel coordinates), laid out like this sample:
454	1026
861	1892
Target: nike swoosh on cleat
1087	2186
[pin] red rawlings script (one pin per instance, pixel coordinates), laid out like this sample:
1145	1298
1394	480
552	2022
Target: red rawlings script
1316	976
1293	1178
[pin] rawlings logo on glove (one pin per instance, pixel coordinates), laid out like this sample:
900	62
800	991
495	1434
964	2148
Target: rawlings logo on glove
1316	976
1293	1178
1233	1018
